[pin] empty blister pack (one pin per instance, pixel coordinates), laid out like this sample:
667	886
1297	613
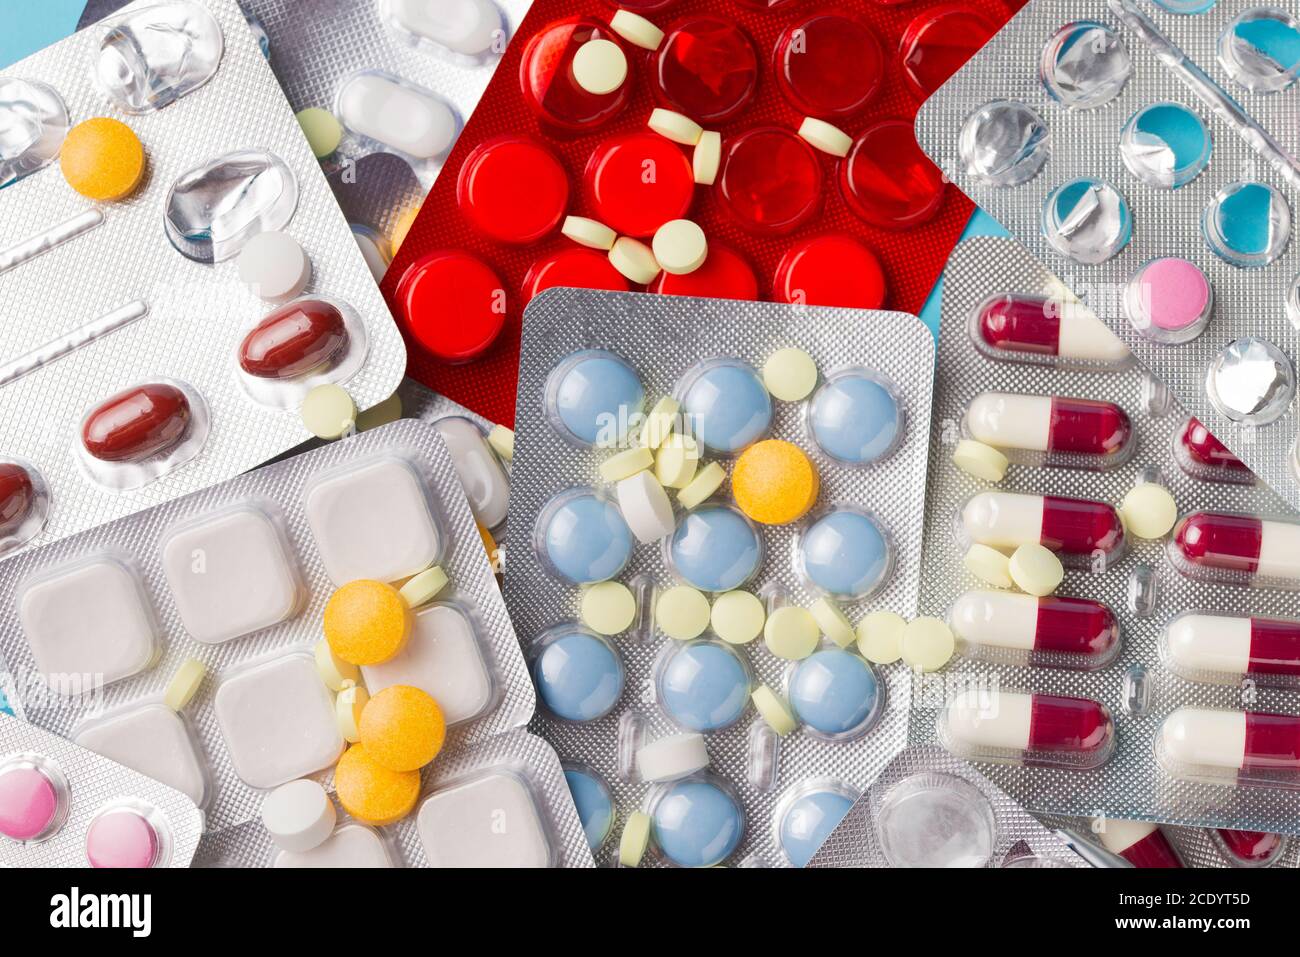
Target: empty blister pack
65	806
186	641
929	809
1099	670
1146	150
182	274
1143	844
686	529
502	802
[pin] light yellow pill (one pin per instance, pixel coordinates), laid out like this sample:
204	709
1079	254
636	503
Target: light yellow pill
980	460
790	374
825	137
702	486
675	126
625	464
589	232
348	706
599	66
634	260
1035	569
608	608
682	613
927	644
680	247
636	29
635	839
706	160
1149	511
832	621
988	565
659	423
502	441
423	587
333	670
773	710
677	460
737	617
880	637
328	412
322	130
791	632
184	685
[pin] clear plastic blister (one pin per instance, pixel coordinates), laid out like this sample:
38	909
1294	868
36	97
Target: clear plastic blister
236	578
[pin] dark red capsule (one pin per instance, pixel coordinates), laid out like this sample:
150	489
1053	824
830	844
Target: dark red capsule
293	340
17	496
137	423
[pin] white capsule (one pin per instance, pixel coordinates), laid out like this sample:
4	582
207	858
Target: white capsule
398	115
1008	421
1084	337
999	619
1003	519
1206	738
989	720
480	474
1209	643
1119	836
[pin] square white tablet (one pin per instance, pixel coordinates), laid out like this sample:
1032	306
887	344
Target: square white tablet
489	820
352	845
91	617
230	574
442	656
373	521
154	741
277	719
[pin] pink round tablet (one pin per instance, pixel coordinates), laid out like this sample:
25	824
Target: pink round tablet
121	838
1176	291
29	803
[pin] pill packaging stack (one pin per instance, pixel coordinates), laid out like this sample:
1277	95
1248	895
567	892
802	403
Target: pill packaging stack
1132	666
929	809
138	369
1146	845
863	220
1146	151
64	806
236	577
503	802
658	725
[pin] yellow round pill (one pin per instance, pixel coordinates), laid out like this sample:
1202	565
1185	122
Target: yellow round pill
102	158
980	460
790	374
737	617
1149	511
366	622
791	632
636	837
682	613
774	482
184	684
927	644
773	710
424	587
402	728
1035	569
370	792
698	490
833	622
608	608
322	130
403	226
880	637
676	461
328	411
333	670
988	565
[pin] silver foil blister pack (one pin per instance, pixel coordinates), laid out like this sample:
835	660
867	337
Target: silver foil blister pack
753	774
101	297
1141	587
1151	159
1144	845
237	578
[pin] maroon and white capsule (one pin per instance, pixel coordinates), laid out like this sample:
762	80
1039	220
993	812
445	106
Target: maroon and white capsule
1141	843
1033	729
1052	428
1237	548
1203	456
1197	643
1205	742
1077	529
1034	327
1250	848
1049	631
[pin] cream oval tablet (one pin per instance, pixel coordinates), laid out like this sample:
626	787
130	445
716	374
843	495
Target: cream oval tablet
481	475
645	507
467	27
396	114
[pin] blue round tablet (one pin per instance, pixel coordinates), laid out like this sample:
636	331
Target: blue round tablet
728	406
845	554
1247	224
579	676
834	692
1165	145
714	548
592	799
704	685
593	394
855	419
585	538
809	821
697	823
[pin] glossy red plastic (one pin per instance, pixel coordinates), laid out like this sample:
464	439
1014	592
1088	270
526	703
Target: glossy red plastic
136	423
1074	725
888	181
1080	527
1207	451
830	271
513	189
770	180
1251	847
1088	427
1221	540
724	275
17	496
1154	850
578	268
293	340
1272	742
453	304
939	41
546	76
1075	626
1020	324
637	182
829	65
707	68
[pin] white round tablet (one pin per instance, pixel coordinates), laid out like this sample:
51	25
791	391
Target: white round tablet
600	66
299	815
645	507
633	259
707	158
673	757
680	247
274	266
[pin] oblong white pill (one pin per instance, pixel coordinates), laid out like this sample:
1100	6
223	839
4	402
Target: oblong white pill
468	27
299	815
479	471
825	136
1209	643
680	247
589	233
675	126
1200	736
645	507
396	114
673	757
636	29
707	158
274	266
1007	421
600	66
634	259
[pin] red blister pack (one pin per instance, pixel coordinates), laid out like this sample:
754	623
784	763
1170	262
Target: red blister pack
783	221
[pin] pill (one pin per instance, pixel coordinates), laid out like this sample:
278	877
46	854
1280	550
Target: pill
137	423
700	488
402	728
676	461
480	473
834	692
351	701
980	460
790	374
1070	526
1035	569
608	607
672	757
397	114
102	159
371	792
1055	424
625	464
1233	645
1035	325
351	845
675	126
682	613
299	815
706	158
1141	843
1251	848
703	685
832	621
737	617
184	684
728	405
680	247
636	29
715	549
773	710
856	418
366	622
658	425
1051	624
468	27
988	565
697	823
645	507
599	66
634	259
513	189
1236	740
880	637
294	340
17	498
845	554
791	632
774	482
1149	510
809	821
594	394
593	801
585	538
1029	728
328	412
928	643
579	676
333	670
121	837
29	803
1210	456
635	839
589	233
447	282
274	266
323	131
825	136
423	587
1169	300
1235	545
502	441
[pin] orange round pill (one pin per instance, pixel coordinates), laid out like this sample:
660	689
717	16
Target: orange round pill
102	158
371	792
774	482
402	728
366	622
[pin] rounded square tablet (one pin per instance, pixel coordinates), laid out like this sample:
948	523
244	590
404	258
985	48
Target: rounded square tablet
373	521
230	573
352	845
489	820
443	657
154	741
91	617
277	719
